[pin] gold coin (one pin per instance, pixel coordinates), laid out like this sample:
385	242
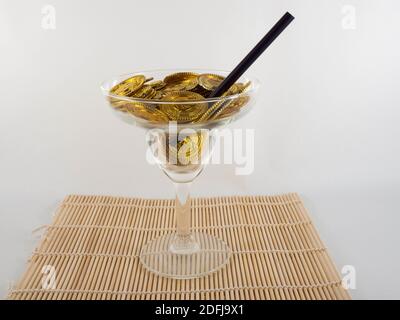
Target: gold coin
122	89
148	113
232	108
234	105
157	85
243	87
151	94
128	86
189	149
212	110
183	112
159	95
145	92
234	89
181	81
118	103
176	96
210	81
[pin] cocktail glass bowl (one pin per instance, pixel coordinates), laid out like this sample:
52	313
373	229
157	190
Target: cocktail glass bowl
181	149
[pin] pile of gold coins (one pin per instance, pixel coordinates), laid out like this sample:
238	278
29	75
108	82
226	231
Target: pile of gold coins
179	97
181	150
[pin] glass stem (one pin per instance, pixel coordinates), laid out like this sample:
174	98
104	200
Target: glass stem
182	210
183	242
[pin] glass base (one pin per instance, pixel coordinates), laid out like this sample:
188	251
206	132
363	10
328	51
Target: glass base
166	257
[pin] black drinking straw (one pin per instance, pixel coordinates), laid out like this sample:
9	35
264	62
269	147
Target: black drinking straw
252	56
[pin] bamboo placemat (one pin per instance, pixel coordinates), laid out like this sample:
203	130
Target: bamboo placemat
94	241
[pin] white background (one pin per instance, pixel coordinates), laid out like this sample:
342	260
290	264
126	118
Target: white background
326	122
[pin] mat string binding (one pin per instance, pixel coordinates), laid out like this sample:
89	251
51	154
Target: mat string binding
313	286
244	225
112	255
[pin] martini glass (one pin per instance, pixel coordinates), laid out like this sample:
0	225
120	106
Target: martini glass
182	149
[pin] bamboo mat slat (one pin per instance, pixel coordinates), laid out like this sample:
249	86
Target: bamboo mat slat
93	244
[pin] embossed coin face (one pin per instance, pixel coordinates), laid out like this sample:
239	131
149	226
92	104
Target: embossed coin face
183	111
122	89
148	113
182	96
181	81
129	86
210	81
189	149
145	92
157	85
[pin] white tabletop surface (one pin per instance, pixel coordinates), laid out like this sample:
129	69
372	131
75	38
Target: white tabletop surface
326	121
